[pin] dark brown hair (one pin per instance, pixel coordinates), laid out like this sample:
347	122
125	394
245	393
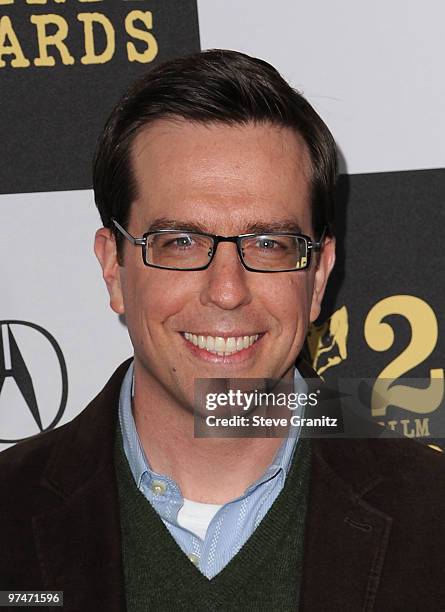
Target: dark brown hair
210	87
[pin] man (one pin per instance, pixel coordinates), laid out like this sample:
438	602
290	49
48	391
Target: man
214	181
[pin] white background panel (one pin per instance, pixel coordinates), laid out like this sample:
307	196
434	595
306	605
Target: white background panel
373	70
50	277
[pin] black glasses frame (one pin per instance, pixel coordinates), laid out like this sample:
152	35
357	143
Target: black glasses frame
312	246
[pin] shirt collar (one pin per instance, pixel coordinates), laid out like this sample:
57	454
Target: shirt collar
138	461
283	457
132	445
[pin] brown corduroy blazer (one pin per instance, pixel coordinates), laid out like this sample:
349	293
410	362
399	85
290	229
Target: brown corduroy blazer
375	532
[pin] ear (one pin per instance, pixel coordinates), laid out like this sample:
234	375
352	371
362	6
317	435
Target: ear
325	264
106	253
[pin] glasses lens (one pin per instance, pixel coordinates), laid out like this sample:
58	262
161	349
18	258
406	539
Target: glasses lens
275	252
181	250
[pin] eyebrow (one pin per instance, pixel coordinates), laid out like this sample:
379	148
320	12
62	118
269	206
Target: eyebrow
258	227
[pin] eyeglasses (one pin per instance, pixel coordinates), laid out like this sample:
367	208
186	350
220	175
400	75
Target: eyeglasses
174	249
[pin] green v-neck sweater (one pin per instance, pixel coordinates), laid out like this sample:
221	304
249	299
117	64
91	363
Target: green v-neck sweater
264	575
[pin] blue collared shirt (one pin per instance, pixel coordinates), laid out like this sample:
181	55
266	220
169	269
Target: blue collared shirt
234	522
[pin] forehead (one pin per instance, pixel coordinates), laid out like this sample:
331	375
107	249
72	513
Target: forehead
222	176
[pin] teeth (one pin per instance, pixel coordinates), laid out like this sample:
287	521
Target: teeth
230	345
219	345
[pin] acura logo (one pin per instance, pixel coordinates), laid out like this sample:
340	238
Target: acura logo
33	381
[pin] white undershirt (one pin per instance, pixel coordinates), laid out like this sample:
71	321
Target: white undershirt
196	516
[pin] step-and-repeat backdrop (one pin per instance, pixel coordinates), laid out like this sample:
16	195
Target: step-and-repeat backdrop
372	71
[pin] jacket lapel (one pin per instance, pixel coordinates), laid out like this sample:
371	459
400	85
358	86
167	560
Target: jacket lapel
77	538
346	538
79	550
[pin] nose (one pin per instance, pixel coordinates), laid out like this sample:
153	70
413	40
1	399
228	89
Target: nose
225	283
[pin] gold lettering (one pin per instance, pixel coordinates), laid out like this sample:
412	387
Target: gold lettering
151	51
91	57
392	425
9	45
43	1
409	433
56	40
422	427
6	2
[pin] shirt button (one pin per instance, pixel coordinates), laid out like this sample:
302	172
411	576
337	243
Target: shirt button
194	559
158	487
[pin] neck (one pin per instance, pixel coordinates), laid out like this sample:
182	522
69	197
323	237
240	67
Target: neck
209	470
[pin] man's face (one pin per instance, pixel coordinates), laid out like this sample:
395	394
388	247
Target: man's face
229	180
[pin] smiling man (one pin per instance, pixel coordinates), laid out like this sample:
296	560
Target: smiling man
215	183
221	321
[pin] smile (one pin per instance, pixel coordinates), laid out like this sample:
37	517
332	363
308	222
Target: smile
219	345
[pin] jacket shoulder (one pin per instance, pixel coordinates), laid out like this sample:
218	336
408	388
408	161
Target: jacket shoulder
62	455
22	467
412	463
402	463
31	455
